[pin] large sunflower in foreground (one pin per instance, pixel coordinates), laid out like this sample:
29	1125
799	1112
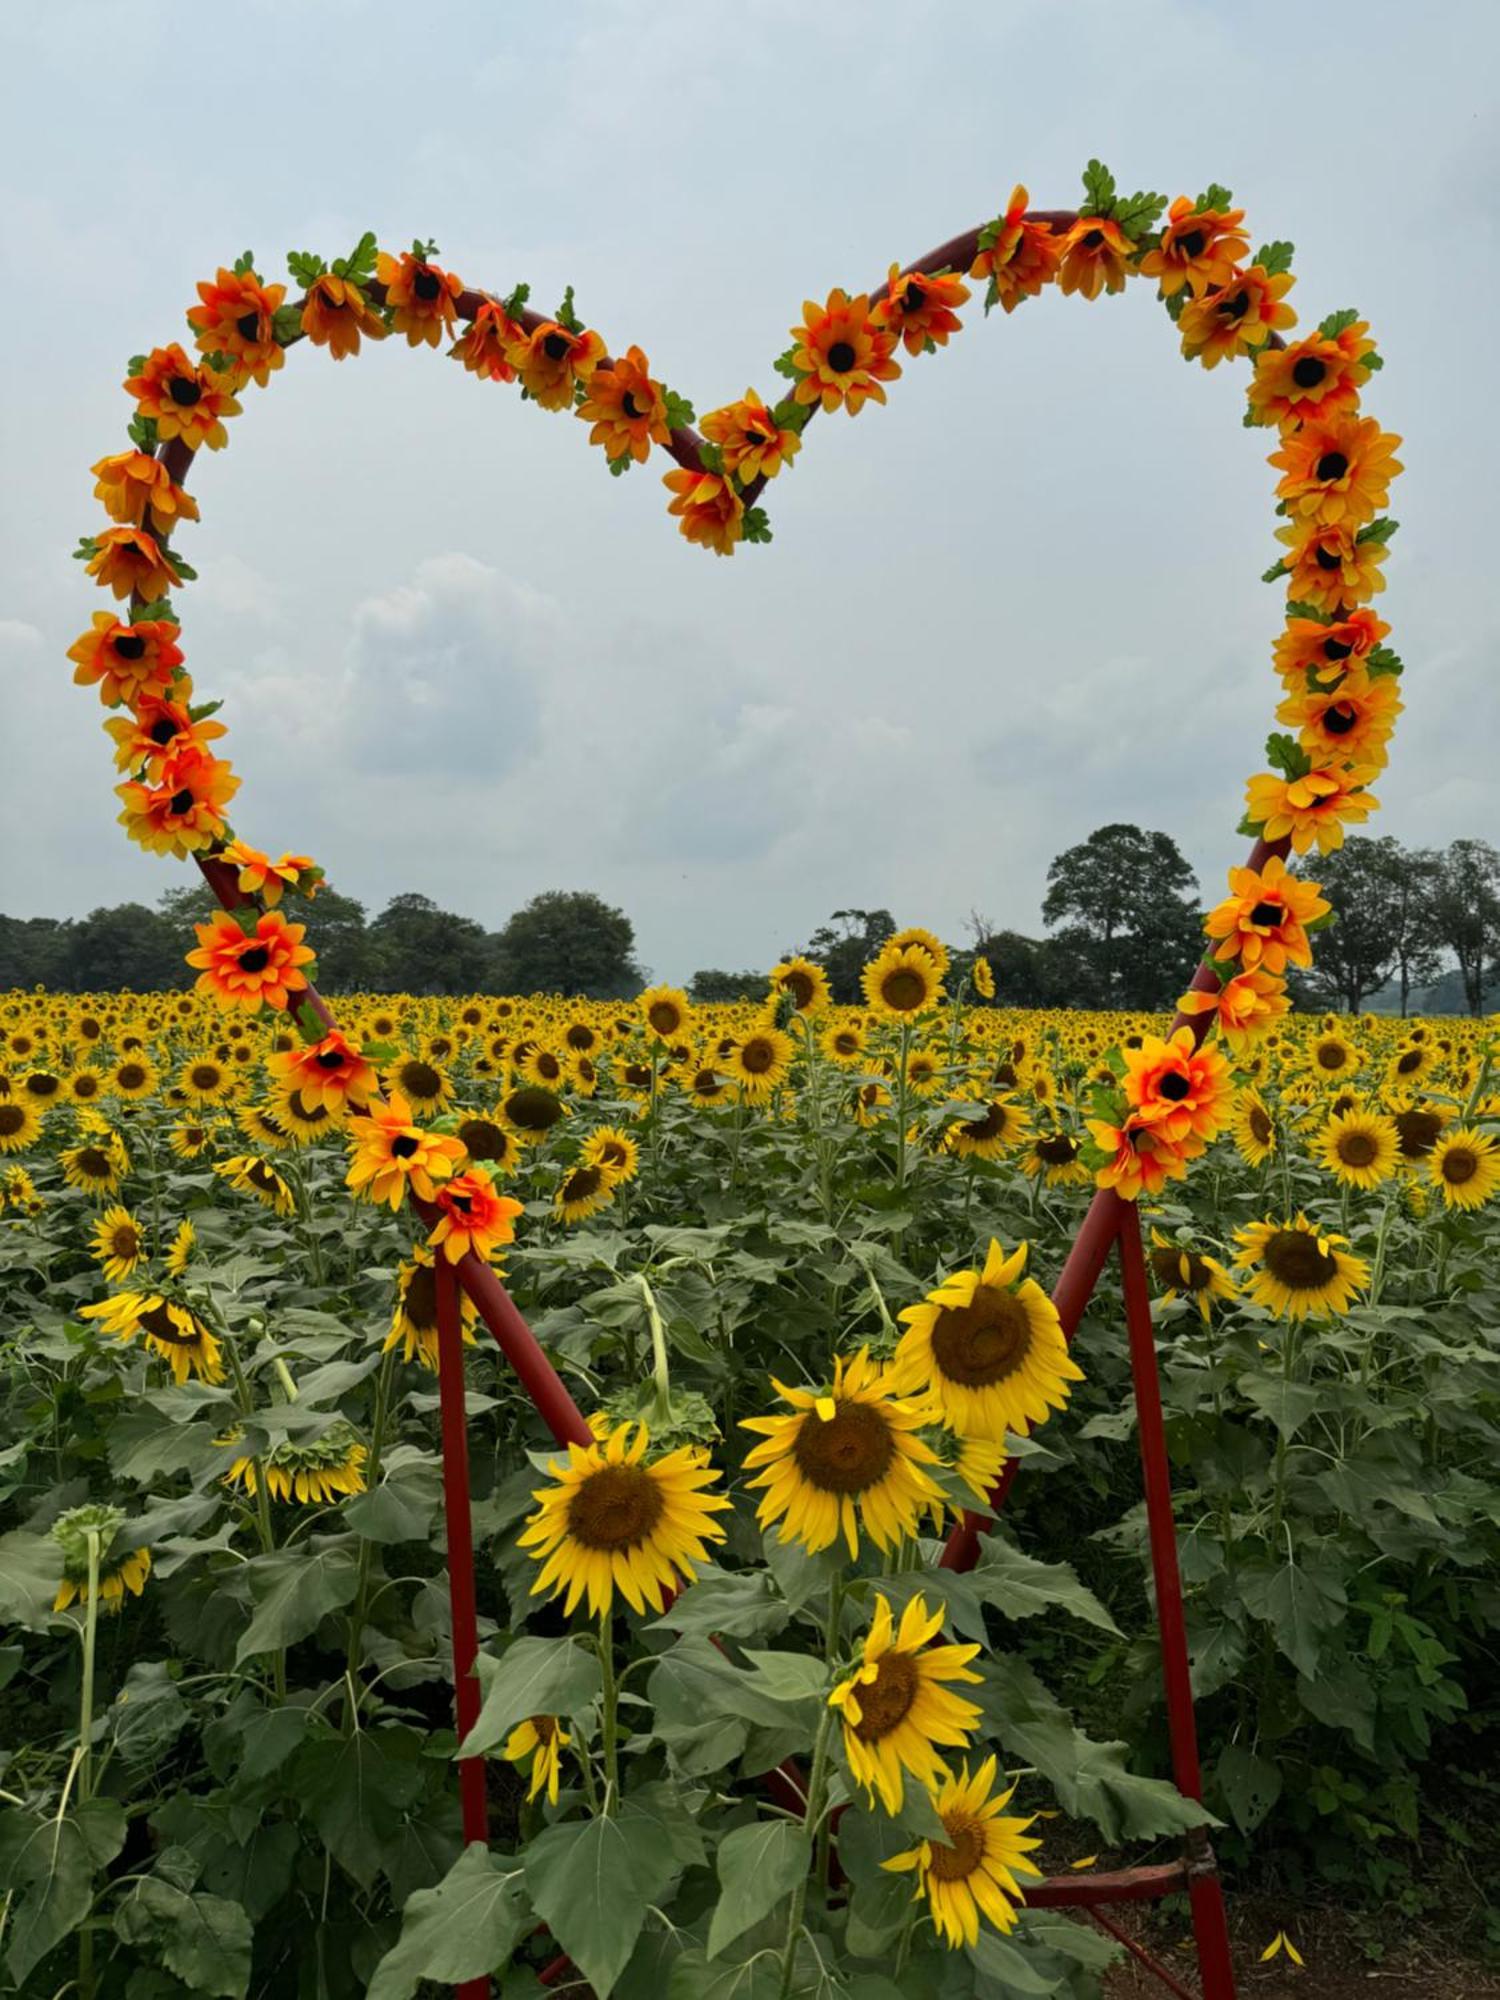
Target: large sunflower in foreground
895	1707
974	1872
904	981
1465	1166
844	1456
1298	1269
612	1522
988	1347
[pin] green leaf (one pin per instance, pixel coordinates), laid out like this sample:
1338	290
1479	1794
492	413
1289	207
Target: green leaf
1249	1785
1214	196
1285	754
305	266
1021	1586
1276	570
244	264
286	325
294	1590
999	1959
566	315
758	1865
532	1677
48	1865
360	263
788	1676
735	1604
1378	531
31	1568
1297	609
757	525
680	411
464	1928
1098	189
1288	1404
1274	258
1381	660
1138	214
1336	322
1300	1605
512	306
205	1940
357	1790
591	1884
142	432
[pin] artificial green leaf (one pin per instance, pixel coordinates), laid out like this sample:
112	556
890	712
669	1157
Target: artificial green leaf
758	1865
531	1677
465	1927
1274	258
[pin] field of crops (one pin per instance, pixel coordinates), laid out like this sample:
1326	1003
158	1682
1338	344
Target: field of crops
776	1253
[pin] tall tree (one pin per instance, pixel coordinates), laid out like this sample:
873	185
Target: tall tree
1419	954
1127	902
418	948
845	945
1376	897
567	941
1466	914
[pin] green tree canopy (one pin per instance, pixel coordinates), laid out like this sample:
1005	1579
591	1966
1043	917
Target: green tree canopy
567	941
1125	901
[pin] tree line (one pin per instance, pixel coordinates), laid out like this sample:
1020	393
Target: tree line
1122	918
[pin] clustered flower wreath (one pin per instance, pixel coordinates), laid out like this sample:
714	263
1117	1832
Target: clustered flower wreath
1171	1095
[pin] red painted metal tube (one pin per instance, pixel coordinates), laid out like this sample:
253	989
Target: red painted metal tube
1139	1952
1122	1885
458	1521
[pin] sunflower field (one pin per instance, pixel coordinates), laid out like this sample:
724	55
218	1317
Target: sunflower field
743	1735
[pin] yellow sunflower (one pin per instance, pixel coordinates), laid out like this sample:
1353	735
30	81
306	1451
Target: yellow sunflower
666	1011
612	1522
119	1570
613	1150
171	1331
1254	1129
190	1141
988	1348
252	1175
311	1472
117	1245
424	1086
583	1192
20	1124
542	1738
760	1062
1359	1148
976	1871
895	1707
414	1326
1001	1125
904	981
1178	1269
847	1455
97	1165
806	982
1465	1167
1298	1268
181	1249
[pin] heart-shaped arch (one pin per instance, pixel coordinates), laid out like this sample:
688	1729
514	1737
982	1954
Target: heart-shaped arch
1170	1095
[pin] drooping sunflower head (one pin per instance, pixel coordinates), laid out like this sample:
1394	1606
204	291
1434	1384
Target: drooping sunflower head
309	1471
1177	1268
611	1521
170	1330
1297	1269
988	1347
89	1537
250	1174
846	1456
896	1706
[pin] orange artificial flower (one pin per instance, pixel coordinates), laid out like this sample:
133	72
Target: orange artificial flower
1308	650
1096	256
920	307
1314	807
332	1072
1245	1007
841	355
1199	248
183	400
1337	470
422	298
753	443
159	729
1177	1088
236	317
184	809
1353	720
126	662
261	876
483	349
627	409
708	509
336	313
132	563
1312	377
391	1153
1329	568
474	1217
131	482
1141	1160
1242	313
551	359
254	969
1262	921
1021	257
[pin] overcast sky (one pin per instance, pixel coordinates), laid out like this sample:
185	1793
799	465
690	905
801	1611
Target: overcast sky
1019	602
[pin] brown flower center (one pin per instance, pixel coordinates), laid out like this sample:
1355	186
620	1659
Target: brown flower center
1261	1128
757	1055
841	357
1166	1266
125	1241
419	1300
12	1118
885	1702
903	990
964	1852
1293	1258
849	1452
1418	1132
1357	1149
420	1079
615	1508
535	1110
1308	371
160	1324
1460	1164
984	1341
582	1184
483	1140
94	1161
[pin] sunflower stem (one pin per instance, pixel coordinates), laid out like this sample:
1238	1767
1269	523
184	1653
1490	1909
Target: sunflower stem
609	1716
246	1401
659	1365
366	1546
816	1789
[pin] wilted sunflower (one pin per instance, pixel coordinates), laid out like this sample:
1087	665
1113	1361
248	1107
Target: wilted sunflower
1359	1148
1465	1166
902	982
317	1470
541	1738
117	1244
613	1522
252	1175
989	1350
171	1331
993	1131
119	1570
895	1707
414	1322
1299	1269
845	1456
1178	1269
760	1062
975	1871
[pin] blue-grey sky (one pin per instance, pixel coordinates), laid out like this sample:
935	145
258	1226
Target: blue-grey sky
1018	602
